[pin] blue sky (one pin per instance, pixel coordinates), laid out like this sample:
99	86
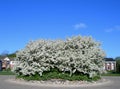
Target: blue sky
25	20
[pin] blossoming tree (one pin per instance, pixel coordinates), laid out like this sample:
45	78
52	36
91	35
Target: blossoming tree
75	54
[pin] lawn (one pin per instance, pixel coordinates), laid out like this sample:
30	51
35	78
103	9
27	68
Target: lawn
4	72
111	74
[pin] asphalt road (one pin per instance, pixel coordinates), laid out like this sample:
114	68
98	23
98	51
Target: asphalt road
4	84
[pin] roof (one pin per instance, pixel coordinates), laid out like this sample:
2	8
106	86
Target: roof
7	58
109	59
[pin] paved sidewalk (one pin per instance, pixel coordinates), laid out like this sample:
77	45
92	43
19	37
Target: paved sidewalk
4	84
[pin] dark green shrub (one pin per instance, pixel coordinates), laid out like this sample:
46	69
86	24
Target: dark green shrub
56	74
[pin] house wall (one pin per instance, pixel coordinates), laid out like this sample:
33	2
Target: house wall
13	63
110	65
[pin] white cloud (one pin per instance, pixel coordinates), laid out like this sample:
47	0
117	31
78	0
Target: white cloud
80	26
115	28
109	30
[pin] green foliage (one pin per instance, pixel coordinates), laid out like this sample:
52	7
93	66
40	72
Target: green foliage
117	64
56	74
111	72
117	58
13	55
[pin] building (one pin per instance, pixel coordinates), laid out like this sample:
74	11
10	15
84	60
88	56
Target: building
7	62
110	64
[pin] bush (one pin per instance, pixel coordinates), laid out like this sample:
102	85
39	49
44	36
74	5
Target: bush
59	75
74	55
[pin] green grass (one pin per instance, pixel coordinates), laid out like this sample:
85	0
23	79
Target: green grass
111	74
5	72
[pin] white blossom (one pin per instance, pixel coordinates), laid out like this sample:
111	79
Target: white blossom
81	54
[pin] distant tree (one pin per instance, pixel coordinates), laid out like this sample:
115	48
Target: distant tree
117	58
12	55
117	64
5	53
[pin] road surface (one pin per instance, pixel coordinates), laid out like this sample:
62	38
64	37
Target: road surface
5	84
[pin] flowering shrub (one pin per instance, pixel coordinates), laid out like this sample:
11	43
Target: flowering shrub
76	54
